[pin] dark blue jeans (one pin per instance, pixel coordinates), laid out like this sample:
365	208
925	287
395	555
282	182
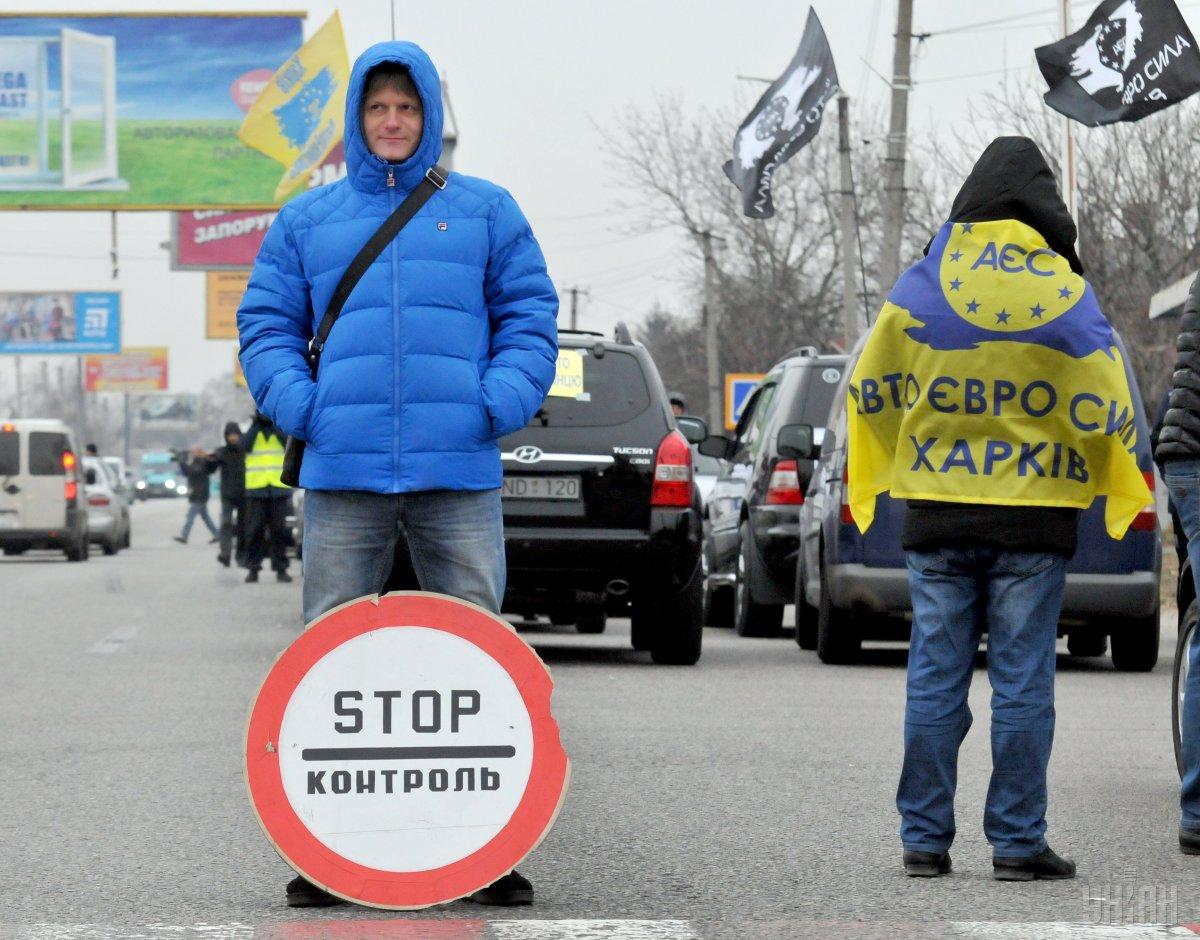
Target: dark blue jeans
455	538
1183	480
957	593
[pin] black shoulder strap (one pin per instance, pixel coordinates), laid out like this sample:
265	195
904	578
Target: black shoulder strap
434	179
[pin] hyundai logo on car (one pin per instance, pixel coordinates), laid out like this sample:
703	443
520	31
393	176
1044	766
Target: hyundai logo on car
527	453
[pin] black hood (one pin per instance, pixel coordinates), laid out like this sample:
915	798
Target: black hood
232	427
1012	180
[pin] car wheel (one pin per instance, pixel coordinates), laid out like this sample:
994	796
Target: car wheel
717	602
77	550
591	620
109	546
838	641
669	624
806	614
1187	636
1087	644
1135	643
750	618
14	551
127	541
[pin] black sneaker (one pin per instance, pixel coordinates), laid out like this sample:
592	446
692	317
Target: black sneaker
224	561
252	577
180	539
303	893
283	576
1046	865
926	864
510	891
1189	841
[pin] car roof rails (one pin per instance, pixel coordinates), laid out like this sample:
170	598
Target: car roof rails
621	334
579	332
805	352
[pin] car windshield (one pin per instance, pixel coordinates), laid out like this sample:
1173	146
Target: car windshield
605	391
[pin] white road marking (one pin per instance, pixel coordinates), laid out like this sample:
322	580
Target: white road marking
115	641
593	930
1056	930
140	932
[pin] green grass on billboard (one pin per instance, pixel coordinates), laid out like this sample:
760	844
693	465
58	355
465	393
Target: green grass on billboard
165	163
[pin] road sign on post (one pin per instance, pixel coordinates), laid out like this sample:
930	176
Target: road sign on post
738	386
401	753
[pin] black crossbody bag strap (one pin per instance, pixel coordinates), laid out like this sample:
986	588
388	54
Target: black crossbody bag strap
434	180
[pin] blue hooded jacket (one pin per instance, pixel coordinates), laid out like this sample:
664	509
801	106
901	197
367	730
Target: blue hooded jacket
447	343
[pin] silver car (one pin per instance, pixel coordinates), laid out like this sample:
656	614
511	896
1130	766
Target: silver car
109	524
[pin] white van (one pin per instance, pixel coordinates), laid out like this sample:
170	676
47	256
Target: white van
42	499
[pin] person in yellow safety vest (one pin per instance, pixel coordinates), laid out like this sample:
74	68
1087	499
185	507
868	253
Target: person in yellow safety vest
267	499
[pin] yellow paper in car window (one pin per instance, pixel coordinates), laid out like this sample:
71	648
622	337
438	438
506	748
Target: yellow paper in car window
568	375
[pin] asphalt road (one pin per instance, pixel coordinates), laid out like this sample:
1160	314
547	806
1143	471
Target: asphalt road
751	795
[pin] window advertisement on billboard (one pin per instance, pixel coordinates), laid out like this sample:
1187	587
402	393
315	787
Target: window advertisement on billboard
142	369
224	296
60	322
132	111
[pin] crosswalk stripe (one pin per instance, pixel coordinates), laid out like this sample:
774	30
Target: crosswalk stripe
593	930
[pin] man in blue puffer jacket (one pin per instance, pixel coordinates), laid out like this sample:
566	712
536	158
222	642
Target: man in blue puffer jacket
446	344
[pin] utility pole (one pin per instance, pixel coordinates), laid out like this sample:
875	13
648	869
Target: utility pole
893	219
20	396
1068	155
851	325
81	399
128	432
575	292
716	414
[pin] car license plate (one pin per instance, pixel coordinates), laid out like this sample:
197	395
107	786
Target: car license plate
541	488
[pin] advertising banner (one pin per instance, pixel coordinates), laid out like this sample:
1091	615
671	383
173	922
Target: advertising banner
239	375
137	111
167	408
132	370
60	322
225	290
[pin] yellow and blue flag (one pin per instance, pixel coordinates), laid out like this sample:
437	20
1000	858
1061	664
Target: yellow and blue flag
992	376
298	118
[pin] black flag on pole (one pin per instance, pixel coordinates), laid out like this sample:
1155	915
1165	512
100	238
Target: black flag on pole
786	118
1132	58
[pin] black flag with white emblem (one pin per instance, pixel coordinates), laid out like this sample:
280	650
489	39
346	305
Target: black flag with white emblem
786	118
1132	58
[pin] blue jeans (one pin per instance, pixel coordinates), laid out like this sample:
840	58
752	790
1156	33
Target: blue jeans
194	510
455	538
957	593
1183	481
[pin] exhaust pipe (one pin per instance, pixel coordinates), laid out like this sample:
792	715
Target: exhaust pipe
617	588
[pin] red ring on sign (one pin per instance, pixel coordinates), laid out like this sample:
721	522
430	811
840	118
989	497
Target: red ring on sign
375	887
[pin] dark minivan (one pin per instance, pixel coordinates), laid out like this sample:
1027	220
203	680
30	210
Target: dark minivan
753	513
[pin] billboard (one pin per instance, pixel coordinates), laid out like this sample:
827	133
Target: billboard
137	111
167	408
224	296
143	369
60	322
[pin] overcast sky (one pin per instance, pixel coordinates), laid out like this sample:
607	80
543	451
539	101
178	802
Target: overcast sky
537	86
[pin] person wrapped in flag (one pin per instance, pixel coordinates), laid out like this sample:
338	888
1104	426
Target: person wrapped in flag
992	396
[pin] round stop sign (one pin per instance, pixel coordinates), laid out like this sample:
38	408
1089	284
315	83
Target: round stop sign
402	753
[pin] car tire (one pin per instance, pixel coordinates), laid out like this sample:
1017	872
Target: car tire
563	618
838	640
591	620
110	546
1135	643
750	618
77	550
14	551
806	614
1187	634
676	633
127	541
717	602
1087	644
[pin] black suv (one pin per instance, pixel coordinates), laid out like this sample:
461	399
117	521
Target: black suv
601	515
753	512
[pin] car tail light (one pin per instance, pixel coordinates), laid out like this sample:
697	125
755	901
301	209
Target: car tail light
71	486
672	472
783	489
1147	519
847	516
97	500
8	428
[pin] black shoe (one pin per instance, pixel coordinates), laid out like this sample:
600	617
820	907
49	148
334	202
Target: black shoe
214	540
926	864
252	577
224	561
1189	841
283	576
510	891
180	539
1046	865
303	893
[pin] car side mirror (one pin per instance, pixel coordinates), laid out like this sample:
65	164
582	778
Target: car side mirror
691	427
715	446
89	477
798	441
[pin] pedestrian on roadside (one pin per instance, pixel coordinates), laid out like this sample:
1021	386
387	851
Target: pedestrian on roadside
196	470
974	399
1178	452
230	459
91	450
267	500
678	404
447	343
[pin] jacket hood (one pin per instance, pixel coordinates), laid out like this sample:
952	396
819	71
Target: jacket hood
232	427
366	171
1012	180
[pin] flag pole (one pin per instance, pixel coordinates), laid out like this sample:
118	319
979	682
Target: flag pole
1068	154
